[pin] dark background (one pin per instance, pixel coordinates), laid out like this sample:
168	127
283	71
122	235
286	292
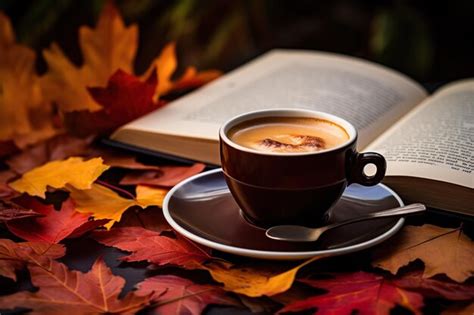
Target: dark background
431	41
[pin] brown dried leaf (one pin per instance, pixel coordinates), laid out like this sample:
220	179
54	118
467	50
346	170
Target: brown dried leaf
443	251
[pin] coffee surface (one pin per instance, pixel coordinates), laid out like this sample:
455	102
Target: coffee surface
288	134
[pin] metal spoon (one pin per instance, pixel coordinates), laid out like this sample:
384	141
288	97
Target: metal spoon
297	233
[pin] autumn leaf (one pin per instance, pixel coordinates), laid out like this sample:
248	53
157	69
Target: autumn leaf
443	251
63	291
175	295
166	176
166	65
12	211
125	98
154	248
74	171
120	159
435	288
53	226
105	49
104	203
59	147
193	79
14	256
367	293
253	281
25	117
151	218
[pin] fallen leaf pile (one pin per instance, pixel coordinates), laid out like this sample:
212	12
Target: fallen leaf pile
65	200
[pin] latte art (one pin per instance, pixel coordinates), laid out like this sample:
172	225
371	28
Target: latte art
288	134
296	143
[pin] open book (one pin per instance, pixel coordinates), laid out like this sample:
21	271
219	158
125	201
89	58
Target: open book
428	141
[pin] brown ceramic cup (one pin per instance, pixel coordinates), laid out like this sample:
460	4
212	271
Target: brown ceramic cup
293	188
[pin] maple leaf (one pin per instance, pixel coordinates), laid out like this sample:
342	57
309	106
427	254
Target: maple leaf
365	292
120	159
25	117
12	211
176	295
193	79
254	281
74	172
166	176
154	248
104	203
63	291
54	226
125	98
14	256
105	49
443	251
151	218
59	147
435	288
166	65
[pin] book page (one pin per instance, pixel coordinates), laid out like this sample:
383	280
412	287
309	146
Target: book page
370	96
436	140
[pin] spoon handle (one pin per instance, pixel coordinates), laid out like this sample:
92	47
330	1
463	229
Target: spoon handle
411	208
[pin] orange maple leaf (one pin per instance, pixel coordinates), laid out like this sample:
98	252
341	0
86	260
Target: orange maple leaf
64	291
108	47
25	116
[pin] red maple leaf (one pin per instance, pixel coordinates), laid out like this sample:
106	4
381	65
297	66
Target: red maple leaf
175	295
53	226
151	246
124	99
367	293
14	256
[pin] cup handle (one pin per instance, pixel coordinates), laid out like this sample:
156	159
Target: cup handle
361	160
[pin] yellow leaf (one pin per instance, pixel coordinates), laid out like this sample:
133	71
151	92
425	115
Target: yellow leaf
443	251
74	171
252	281
107	48
104	203
25	117
147	195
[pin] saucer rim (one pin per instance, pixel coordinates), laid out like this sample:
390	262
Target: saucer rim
275	255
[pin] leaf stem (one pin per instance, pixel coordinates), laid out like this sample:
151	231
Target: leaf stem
123	191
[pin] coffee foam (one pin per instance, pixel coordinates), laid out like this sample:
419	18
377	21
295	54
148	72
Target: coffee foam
288	134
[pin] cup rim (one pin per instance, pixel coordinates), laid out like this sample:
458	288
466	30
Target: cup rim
287	112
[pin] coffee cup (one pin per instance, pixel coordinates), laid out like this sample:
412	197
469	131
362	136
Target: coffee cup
290	166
